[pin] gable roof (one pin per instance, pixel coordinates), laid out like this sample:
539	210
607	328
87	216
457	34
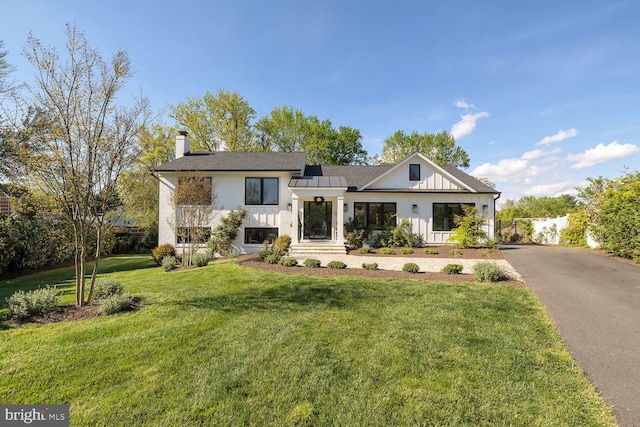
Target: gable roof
236	161
359	177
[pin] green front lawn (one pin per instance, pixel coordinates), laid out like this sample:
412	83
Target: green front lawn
227	345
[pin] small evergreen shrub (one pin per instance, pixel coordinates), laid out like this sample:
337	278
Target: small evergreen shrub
23	305
272	259
281	245
159	252
387	251
455	253
115	304
372	266
411	267
487	271
366	250
224	234
106	288
169	263
338	265
312	263
452	269
431	251
406	251
201	260
263	253
288	262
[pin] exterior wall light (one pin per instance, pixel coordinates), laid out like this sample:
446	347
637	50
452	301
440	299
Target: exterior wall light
415	208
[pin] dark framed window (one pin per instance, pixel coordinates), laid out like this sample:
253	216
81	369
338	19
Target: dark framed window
194	191
380	216
261	191
198	235
444	215
260	235
414	172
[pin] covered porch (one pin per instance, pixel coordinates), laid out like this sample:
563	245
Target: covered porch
317	215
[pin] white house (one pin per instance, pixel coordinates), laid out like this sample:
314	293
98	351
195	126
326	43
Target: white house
311	203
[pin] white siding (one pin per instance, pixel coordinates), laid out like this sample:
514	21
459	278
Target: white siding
430	179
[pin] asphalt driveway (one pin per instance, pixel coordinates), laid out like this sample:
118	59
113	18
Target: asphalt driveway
594	302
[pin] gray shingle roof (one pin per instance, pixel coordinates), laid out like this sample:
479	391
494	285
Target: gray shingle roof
235	161
480	187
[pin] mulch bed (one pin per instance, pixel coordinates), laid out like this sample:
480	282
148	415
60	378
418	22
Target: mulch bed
253	261
72	312
443	252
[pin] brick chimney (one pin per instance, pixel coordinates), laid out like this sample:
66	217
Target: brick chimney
182	144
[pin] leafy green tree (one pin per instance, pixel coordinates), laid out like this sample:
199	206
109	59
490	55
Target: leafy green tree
440	147
137	187
288	129
87	141
575	233
216	121
5	70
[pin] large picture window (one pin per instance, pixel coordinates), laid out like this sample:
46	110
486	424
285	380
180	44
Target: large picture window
261	191
444	215
380	216
260	235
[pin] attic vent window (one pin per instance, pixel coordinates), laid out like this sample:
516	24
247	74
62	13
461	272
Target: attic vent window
414	172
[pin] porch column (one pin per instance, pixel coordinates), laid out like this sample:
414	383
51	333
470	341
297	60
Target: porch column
340	225
294	219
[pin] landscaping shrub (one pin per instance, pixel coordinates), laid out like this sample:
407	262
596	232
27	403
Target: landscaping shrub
366	250
288	262
431	251
106	288
159	252
272	259
201	260
372	266
402	235
115	304
338	265
312	263
169	263
469	227
281	245
406	251
487	271
455	253
411	267
387	251
226	232
23	305
452	269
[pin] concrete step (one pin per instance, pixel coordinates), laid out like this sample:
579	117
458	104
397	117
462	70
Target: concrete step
316	249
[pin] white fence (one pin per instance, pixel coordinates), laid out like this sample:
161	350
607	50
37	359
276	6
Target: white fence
547	230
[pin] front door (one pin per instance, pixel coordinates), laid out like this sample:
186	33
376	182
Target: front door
317	220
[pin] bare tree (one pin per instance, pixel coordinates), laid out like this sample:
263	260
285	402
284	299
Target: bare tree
193	200
88	138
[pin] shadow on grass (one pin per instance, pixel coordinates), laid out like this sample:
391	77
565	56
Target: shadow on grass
288	297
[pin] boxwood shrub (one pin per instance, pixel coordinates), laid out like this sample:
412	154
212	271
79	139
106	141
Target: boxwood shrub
387	251
288	262
411	267
452	269
106	288
338	265
372	266
312	263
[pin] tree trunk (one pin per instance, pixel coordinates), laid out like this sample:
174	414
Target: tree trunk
94	273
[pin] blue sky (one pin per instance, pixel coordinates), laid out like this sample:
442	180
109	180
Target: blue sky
540	94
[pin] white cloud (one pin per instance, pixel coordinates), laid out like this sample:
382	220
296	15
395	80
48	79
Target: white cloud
552	190
531	155
560	136
461	103
602	153
503	171
468	123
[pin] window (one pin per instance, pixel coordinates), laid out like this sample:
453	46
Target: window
194	191
444	214
376	215
260	235
261	191
198	235
414	172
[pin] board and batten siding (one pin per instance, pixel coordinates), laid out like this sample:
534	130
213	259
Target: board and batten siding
430	179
